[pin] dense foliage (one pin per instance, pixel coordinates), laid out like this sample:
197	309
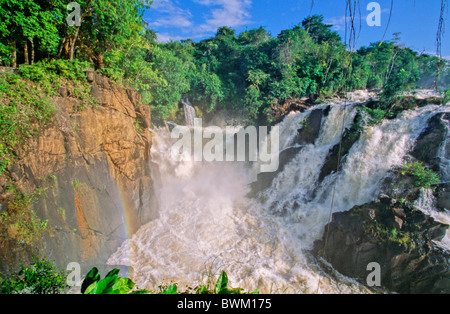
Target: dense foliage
422	176
41	277
252	73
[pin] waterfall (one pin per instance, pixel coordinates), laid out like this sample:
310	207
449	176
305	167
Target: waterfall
189	112
209	223
379	149
427	204
444	157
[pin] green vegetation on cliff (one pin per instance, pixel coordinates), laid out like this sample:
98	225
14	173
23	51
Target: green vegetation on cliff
423	177
27	107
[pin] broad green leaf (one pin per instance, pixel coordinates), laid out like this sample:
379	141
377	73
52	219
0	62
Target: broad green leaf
235	291
113	273
105	286
171	290
141	292
122	286
221	285
92	277
92	289
203	290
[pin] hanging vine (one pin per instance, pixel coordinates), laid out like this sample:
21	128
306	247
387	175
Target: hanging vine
439	38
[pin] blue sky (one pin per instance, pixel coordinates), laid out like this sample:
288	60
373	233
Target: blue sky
417	20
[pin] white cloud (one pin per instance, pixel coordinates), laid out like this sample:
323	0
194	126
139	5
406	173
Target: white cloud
231	13
172	21
165	36
432	53
170	15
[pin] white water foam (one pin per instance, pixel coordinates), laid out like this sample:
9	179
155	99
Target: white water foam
208	223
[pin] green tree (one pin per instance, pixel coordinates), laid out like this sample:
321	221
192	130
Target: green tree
320	31
29	24
110	24
254	37
174	83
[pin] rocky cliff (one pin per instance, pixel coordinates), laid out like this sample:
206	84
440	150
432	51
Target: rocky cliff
93	170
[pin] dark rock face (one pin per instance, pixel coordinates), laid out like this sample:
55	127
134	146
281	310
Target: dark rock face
443	196
342	149
311	130
429	142
280	110
398	238
265	180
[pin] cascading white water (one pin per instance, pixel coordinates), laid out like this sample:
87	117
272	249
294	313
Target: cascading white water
208	223
444	157
189	112
427	204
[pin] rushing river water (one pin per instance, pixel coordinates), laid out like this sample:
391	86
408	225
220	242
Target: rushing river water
209	223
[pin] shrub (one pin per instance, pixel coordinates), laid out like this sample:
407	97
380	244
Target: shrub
19	221
53	69
446	97
42	277
373	116
423	177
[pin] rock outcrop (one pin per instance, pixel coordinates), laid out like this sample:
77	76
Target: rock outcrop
402	240
95	170
427	146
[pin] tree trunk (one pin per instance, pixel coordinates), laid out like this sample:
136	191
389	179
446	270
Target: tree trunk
32	51
72	47
25	52
13	54
66	49
61	46
100	62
